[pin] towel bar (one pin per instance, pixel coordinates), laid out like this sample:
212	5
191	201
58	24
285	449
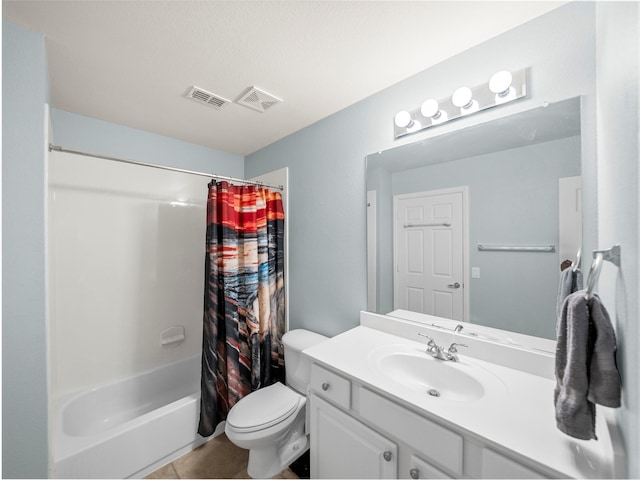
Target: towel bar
516	248
612	255
433	224
576	265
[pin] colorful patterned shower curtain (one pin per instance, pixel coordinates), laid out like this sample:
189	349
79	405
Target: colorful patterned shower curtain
243	298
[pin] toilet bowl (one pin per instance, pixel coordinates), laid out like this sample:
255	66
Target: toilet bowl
270	422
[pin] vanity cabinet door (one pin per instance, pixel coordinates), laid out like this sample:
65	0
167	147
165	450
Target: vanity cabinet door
342	447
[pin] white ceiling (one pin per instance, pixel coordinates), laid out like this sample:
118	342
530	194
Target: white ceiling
132	62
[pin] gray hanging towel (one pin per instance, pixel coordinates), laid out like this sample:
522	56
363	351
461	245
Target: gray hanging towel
586	371
570	282
605	386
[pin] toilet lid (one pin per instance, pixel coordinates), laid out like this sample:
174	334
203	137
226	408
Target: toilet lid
263	408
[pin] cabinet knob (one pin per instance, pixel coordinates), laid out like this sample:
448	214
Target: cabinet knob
387	456
414	473
325	386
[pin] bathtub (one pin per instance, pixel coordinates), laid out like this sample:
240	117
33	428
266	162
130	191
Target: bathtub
130	427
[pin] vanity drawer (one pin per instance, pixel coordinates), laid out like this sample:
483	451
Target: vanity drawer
418	468
495	465
331	386
439	445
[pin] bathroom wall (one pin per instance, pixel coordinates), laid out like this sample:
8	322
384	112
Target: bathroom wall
92	135
618	60
327	167
24	331
526	179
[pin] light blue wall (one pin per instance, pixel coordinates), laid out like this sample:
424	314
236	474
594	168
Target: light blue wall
327	159
91	135
618	57
24	334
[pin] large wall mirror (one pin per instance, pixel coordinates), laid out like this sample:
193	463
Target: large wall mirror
475	224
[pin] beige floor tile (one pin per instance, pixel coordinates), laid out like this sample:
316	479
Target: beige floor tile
288	473
218	458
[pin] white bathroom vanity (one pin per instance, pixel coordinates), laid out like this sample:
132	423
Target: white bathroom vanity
381	407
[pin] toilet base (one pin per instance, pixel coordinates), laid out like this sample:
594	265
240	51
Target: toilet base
302	466
269	461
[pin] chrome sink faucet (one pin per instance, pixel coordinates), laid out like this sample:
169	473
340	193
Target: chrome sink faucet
452	352
436	351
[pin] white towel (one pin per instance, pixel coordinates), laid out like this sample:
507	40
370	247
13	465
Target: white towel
586	371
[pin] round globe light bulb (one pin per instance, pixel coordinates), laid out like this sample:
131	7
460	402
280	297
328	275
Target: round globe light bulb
403	119
500	82
430	108
462	97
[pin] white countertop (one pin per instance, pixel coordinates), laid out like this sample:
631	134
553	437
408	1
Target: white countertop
517	411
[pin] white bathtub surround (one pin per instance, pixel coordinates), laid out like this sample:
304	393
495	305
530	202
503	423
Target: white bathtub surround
126	277
126	263
131	427
490	420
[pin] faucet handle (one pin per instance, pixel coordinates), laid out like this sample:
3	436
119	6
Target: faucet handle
453	347
431	342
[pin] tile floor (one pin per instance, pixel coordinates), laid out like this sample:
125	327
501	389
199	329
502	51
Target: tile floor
218	458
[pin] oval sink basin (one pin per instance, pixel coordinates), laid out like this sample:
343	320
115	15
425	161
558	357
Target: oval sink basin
416	370
422	372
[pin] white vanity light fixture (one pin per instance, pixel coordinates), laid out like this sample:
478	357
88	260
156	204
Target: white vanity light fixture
503	87
431	109
463	99
405	120
500	84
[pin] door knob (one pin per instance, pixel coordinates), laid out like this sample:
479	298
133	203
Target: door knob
454	285
387	456
414	473
325	386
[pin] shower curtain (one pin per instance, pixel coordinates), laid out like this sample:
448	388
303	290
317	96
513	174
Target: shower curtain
243	320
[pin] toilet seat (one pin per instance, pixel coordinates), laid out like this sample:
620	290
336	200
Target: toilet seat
263	408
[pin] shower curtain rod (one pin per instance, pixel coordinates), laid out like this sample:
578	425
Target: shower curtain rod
57	148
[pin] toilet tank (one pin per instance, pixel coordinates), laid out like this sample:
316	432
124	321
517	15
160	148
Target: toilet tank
298	367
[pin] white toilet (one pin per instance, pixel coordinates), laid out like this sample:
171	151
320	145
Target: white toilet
270	422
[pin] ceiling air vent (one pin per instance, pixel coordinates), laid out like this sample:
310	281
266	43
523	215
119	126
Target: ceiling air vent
208	98
258	100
